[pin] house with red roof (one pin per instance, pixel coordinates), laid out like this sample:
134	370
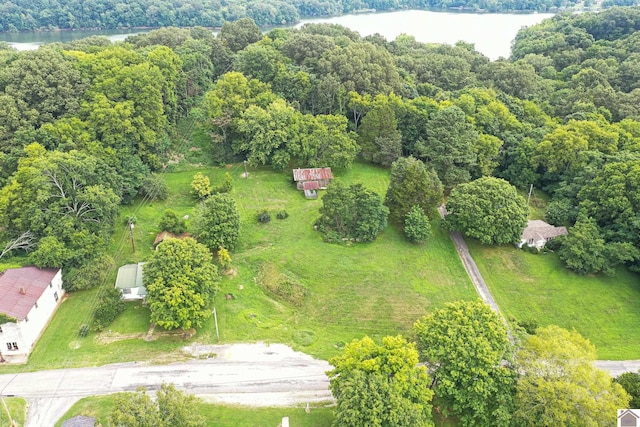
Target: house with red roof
29	296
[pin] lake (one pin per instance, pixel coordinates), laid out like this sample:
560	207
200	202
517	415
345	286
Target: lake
492	33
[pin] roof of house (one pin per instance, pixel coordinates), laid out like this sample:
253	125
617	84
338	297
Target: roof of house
164	235
20	288
540	230
312	174
310	185
79	421
130	276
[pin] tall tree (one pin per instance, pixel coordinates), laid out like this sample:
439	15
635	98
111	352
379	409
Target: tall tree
559	384
181	281
380	385
488	209
379	137
353	212
217	222
412	184
464	345
449	146
239	34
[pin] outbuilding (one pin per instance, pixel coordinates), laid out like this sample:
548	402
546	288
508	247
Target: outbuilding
129	282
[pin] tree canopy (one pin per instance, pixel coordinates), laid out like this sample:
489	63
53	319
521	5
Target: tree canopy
488	209
380	385
464	345
181	281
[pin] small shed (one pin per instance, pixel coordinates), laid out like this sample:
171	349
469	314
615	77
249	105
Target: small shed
321	176
538	233
164	235
79	421
129	281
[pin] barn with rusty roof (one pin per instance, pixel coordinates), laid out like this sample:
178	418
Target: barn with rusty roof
312	179
29	296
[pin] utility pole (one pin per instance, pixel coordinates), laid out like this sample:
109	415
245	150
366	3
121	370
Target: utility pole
215	318
133	245
529	197
246	174
11	422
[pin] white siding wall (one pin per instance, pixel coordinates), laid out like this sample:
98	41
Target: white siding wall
12	333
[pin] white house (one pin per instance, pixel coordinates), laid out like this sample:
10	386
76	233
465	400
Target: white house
30	295
538	233
129	281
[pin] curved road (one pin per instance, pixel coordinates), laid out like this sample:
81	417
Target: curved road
250	374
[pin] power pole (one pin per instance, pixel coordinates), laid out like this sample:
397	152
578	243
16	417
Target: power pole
11	422
246	174
133	245
215	318
529	197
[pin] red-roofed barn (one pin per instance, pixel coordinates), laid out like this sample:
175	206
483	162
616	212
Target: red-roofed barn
30	296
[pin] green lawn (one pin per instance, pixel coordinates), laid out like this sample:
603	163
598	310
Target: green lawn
17	408
538	287
374	289
217	415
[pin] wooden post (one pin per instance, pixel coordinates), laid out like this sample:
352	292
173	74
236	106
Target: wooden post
215	318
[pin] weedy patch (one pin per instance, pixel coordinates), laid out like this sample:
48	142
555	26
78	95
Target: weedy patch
282	284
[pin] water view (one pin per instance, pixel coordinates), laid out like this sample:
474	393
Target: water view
492	33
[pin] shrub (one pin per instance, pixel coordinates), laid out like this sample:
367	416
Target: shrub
171	222
226	185
201	186
416	225
263	216
282	214
83	331
109	307
154	187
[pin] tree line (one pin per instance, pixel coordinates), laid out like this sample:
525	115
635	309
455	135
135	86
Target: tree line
30	15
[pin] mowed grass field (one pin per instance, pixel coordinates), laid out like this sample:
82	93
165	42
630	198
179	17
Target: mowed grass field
374	289
538	287
16	407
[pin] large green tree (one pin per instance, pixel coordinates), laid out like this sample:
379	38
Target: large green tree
217	222
449	146
464	345
353	212
380	385
181	281
171	407
559	384
412	184
488	209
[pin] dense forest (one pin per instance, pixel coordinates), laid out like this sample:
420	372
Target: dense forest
28	15
84	126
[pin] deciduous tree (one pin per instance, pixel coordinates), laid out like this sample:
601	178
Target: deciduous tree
488	209
217	222
464	345
380	385
181	281
559	384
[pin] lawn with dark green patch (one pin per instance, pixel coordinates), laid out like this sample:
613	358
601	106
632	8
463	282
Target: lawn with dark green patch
17	407
537	287
100	407
352	290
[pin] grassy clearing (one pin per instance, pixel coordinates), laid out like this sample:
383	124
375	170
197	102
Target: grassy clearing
374	289
99	407
17	408
538	287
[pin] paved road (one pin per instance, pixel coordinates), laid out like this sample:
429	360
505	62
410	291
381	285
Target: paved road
251	374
